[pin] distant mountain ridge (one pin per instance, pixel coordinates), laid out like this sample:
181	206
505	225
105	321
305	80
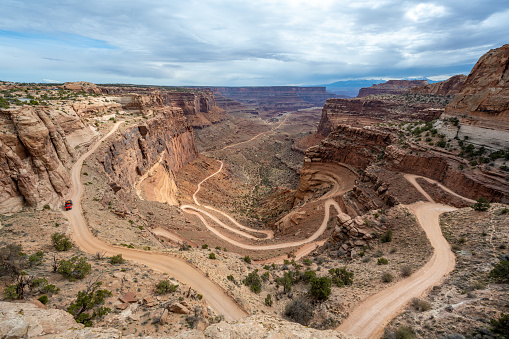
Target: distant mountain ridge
350	88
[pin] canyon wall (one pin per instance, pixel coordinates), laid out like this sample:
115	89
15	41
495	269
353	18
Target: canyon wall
391	87
482	105
276	98
166	138
361	147
34	156
199	105
451	86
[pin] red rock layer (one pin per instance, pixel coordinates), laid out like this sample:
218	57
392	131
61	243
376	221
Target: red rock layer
391	87
451	86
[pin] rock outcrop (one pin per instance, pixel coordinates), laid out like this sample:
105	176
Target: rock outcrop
398	108
391	87
276	99
361	147
451	86
34	153
82	86
166	138
482	105
199	108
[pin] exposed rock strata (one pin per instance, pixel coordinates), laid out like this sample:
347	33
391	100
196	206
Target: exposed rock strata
482	106
276	98
167	134
451	86
361	147
34	153
391	87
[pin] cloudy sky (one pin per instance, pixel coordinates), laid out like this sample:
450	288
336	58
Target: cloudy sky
237	42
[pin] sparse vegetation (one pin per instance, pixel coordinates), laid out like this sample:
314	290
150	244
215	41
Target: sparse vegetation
320	288
387	277
268	300
247	259
87	305
61	242
341	276
254	282
74	268
382	261
386	237
117	259
165	286
482	204
299	311
500	271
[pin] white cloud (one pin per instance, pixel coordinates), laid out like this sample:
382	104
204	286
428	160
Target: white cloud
424	12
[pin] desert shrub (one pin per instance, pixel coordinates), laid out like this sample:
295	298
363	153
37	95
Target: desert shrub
299	311
320	288
204	246
386	237
307	262
12	260
341	277
41	285
254	282
421	305
382	261
212	256
231	278
265	276
117	259
378	253
61	242
43	299
247	259
36	258
308	276
500	326
85	309
74	268
500	271
286	281
406	271
404	332
268	300
165	286
482	204
10	292
387	277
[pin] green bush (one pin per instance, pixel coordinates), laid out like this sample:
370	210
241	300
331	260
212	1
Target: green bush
406	271
247	259
307	262
286	281
85	309
165	286
61	242
204	246
74	268
43	299
421	305
320	288
386	237
117	259
299	311
500	271
341	277
482	204
268	300
36	258
42	285
500	326
254	282
308	276
212	256
382	261
10	292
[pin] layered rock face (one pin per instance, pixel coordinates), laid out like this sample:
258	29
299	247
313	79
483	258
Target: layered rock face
277	98
451	86
82	86
166	135
335	110
391	87
482	105
361	147
34	154
199	106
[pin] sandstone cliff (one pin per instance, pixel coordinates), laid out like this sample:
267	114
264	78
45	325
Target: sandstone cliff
451	86
34	153
482	105
361	111
276	99
166	138
361	147
82	86
391	87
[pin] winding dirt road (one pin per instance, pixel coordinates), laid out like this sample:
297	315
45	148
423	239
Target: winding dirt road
369	319
182	271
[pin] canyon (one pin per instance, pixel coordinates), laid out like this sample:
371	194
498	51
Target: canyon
212	187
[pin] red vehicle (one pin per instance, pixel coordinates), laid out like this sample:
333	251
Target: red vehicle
68	205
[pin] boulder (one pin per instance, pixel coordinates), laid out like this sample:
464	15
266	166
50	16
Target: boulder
178	308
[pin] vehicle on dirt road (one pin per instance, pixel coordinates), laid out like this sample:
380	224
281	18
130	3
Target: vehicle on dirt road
68	205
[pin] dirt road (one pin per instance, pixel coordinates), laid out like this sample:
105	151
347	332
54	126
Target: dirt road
182	271
369	319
